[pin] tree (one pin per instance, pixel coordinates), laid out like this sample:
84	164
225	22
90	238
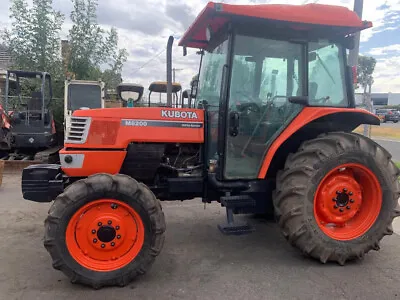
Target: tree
91	47
34	37
365	69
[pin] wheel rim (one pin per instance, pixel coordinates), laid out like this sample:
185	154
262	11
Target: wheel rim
347	202
105	235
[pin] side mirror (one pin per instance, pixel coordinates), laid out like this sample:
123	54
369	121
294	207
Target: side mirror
302	100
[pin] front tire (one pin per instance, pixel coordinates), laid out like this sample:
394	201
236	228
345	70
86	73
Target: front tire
337	197
104	230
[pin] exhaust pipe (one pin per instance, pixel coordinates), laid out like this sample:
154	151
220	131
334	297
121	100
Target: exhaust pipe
169	70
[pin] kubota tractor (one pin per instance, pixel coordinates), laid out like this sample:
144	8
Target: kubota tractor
276	80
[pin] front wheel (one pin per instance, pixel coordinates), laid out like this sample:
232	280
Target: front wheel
104	230
337	197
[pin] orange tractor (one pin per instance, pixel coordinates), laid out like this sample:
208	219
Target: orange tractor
270	130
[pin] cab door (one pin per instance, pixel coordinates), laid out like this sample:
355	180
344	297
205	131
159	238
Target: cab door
264	74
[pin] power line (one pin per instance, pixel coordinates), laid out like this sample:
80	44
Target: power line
150	60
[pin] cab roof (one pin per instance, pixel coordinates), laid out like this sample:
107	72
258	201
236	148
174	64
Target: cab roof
296	17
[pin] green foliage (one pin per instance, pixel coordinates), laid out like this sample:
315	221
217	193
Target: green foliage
365	69
34	44
34	37
91	47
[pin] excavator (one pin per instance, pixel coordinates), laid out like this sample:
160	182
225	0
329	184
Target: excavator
32	126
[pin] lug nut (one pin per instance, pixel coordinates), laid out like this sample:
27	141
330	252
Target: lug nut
109	222
93	231
335	206
341	210
99	224
117	227
351	200
334	199
94	240
113	244
114	206
345	190
103	245
338	192
348	207
118	236
351	193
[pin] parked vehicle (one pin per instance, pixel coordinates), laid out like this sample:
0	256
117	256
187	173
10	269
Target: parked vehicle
276	77
388	115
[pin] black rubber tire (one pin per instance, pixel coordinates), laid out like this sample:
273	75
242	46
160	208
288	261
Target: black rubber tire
296	185
119	187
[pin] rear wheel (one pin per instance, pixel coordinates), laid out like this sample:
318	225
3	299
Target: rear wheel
337	196
104	230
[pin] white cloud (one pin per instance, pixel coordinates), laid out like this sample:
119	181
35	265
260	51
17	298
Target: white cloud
391	49
144	27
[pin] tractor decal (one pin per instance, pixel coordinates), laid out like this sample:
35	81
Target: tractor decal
176	114
155	123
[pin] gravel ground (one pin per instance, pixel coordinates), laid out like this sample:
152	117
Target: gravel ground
197	262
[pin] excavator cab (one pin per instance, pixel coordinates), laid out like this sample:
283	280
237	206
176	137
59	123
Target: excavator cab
33	127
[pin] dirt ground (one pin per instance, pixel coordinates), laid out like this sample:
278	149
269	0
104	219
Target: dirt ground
197	262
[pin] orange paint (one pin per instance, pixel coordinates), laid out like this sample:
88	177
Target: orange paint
298	17
96	162
108	131
347	202
307	115
103	237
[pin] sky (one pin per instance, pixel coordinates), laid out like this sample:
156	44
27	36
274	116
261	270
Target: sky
145	25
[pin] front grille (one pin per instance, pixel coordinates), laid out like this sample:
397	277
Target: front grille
78	131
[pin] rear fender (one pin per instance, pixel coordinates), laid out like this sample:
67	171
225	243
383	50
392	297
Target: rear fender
308	124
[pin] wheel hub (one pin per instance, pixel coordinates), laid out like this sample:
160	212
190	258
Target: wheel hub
106	234
342	198
347	201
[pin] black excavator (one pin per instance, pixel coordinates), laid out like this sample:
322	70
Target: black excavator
27	104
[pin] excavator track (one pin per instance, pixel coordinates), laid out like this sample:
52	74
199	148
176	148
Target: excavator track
15	162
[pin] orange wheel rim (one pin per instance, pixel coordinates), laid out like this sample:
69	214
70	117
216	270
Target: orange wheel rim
105	235
347	202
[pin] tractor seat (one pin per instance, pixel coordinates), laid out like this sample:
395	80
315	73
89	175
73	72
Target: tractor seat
35	103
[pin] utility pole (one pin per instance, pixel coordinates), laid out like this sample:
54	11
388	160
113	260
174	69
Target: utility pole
353	57
173	73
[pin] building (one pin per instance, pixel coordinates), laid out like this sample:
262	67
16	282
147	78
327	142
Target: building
380	99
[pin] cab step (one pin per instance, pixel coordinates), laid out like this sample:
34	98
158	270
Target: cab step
239	201
233	202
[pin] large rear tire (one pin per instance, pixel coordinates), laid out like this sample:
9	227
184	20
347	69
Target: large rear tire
337	197
104	230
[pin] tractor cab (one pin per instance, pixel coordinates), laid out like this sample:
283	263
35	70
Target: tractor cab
262	65
29	108
130	94
160	87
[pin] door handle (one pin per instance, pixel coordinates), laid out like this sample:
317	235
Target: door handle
234	123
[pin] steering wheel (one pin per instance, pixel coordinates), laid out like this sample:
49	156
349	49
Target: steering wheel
249	107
